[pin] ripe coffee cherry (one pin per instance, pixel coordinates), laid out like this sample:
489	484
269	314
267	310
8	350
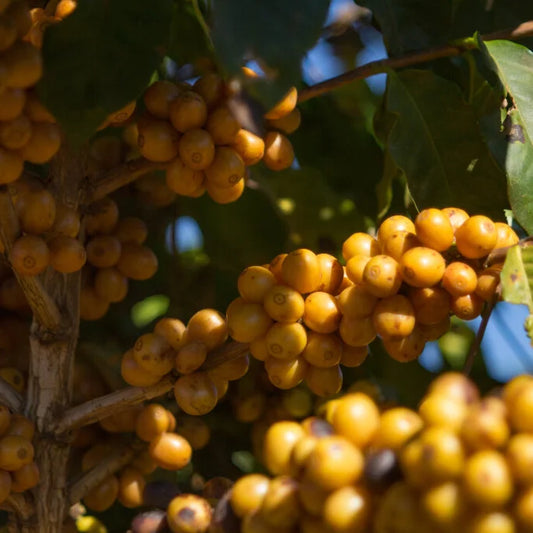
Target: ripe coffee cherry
485	425
66	221
207	326
286	374
287	124
158	141
348	509
441	410
190	357
476	237
131	484
301	270
197	149
353	356
434	229
456	215
195	431
249	146
103	251
102	217
487	283
431	304
398	243
225	195
324	381
183	180
188	111
519	456
323	350
396	427
284	106
15	452
210	87
137	261
189	513
247	321
334	463
172	330
24	65
43	144
506	235
35	110
30	255
11	102
360	244
487	480
459	279
151	421
120	116
66	254
131	229
36	211
405	349
357	331
422	267
11	166
355	268
103	495
393	224
381	276
331	273
170	451
394	316
226	169
279	441
196	393
15	133
152	353
284	304
467	307
279	153
22	427
25	478
254	282
519	401
110	285
248	493
286	341
356	302
158	97
222	125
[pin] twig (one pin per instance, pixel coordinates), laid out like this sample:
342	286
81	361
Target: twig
41	303
119	177
10	397
99	408
382	65
476	344
108	466
18	504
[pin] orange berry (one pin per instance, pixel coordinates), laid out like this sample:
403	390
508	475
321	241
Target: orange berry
197	149
158	141
254	282
287	124
284	304
103	251
36	211
286	374
30	255
102	217
324	381
222	125
431	304
11	166
459	279
506	235
135	375
131	229
331	273
151	422
170	451
66	254
137	261
357	331
15	452
405	349
279	441
152	353
353	356
247	321
183	180
321	312
158	97
110	285
15	133
196	393
381	276
393	224
190	357
249	146
210	87
189	513
24	65
398	243
279	153
422	267
394	316
103	495
121	115
284	106
226	169
35	110
476	237
286	341
434	229
456	215
356	301
11	102
467	307
207	326
188	111
43	144
301	271
225	195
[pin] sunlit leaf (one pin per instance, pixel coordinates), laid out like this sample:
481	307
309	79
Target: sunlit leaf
147	310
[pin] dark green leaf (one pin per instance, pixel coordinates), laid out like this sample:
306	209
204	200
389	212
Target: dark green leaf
436	142
276	33
101	57
246	232
188	42
409	25
513	147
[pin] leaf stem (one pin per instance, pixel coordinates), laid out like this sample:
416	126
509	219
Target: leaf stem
414	58
203	23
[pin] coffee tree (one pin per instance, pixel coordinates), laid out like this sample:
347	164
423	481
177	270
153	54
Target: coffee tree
217	272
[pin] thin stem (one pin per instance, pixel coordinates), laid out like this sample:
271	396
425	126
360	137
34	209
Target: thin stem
476	344
10	397
107	467
119	177
99	408
382	65
203	23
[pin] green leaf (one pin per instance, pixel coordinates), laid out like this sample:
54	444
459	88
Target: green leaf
409	25
276	33
188	42
513	147
517	276
100	58
436	142
147	310
231	243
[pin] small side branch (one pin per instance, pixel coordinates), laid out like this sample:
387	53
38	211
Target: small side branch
227	352
110	465
119	177
41	303
99	408
10	397
382	65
